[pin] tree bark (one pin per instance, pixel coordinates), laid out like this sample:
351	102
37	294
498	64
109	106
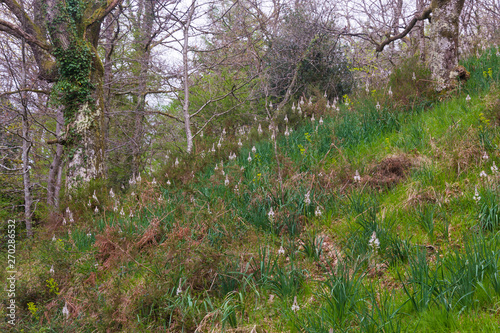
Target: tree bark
26	150
63	37
443	46
54	177
185	63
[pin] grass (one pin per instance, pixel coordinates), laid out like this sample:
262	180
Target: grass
435	268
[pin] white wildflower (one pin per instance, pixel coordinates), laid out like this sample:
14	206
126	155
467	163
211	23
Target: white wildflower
249	158
378	106
485	156
271	213
374	243
494	168
357	177
111	193
483	174
224	131
65	310
317	212
467	99
239	143
414	77
389	92
94	196
367	88
64	221
176	162
325	95
321	121
312	118
286	119
89	204
226	182
168	182
302	100
310	101
51	270
254	150
154	181
131	214
201	134
122	213
307	199
53	238
96	210
295	306
89	234
259	129
281	250
476	196
179	289
287	133
293	107
138	178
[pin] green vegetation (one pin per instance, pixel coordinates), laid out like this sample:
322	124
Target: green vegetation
216	244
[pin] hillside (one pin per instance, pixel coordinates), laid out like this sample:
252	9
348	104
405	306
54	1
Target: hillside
380	215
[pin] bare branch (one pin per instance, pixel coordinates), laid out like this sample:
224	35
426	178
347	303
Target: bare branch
422	16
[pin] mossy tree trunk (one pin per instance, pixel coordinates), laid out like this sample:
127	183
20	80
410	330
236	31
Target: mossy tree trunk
69	58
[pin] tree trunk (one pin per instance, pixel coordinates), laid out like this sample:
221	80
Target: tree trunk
143	42
80	89
26	148
443	46
54	177
185	63
421	32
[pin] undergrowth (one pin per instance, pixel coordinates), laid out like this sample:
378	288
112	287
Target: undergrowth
380	214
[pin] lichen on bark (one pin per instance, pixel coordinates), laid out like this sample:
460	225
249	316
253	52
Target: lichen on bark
443	46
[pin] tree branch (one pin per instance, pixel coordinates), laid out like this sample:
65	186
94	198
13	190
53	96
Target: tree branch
101	13
17	32
422	16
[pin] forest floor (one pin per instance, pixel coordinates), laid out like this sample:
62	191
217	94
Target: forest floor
383	217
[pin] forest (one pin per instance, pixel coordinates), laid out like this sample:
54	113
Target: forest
250	166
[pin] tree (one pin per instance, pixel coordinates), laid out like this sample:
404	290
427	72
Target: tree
444	32
63	38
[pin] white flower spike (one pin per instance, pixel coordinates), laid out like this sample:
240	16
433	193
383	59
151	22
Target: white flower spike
476	196
307	199
65	310
494	168
357	177
374	243
317	212
295	306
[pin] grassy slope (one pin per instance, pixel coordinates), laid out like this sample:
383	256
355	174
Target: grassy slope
436	269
